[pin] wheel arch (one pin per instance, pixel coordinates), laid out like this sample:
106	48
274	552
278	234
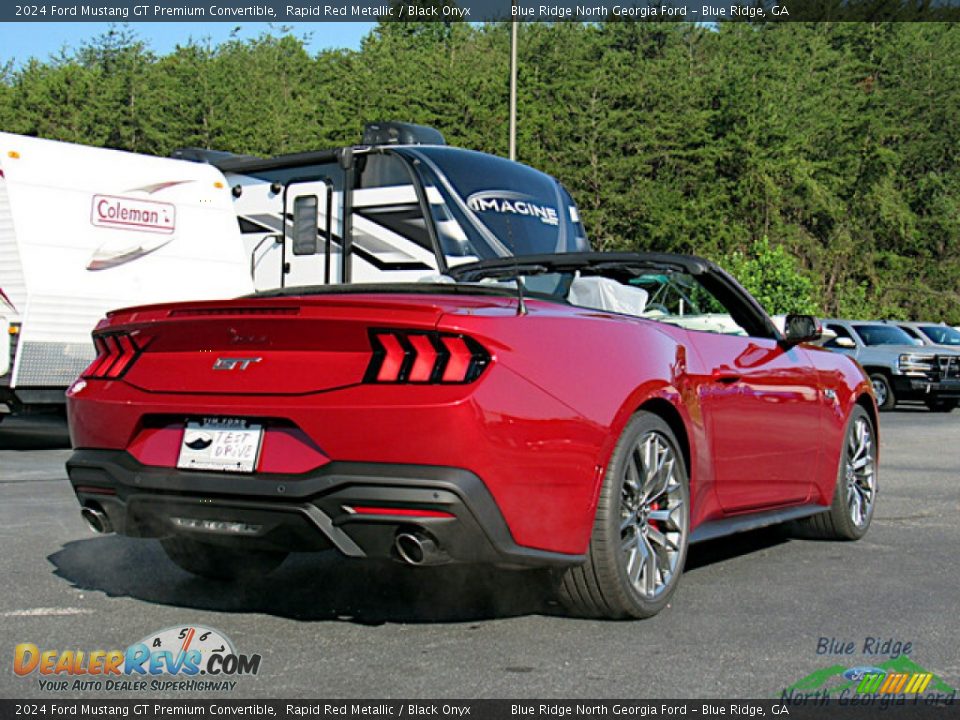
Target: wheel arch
881	369
866	401
667	412
655	402
888	375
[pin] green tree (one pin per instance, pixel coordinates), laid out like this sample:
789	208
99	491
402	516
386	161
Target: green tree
837	141
771	275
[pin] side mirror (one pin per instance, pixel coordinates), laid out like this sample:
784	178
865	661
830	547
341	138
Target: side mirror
305	219
845	342
801	329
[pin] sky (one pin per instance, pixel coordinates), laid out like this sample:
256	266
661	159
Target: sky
23	40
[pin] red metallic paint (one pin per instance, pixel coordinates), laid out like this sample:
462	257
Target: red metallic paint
538	426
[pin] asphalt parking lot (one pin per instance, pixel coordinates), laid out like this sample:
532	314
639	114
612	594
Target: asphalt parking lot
746	621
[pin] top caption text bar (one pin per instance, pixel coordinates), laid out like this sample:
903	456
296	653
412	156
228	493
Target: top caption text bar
483	11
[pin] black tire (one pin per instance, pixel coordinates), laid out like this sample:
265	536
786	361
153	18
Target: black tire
942	405
216	562
883	389
602	587
839	522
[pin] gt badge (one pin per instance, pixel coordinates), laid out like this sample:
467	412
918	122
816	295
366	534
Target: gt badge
235	363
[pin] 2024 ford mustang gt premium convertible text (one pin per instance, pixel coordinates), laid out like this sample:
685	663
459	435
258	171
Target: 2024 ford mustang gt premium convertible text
592	413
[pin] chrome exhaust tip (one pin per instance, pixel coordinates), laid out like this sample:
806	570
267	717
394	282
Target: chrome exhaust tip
96	520
416	548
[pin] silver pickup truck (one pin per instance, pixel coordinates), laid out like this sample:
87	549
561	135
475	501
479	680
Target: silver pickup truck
928	333
900	367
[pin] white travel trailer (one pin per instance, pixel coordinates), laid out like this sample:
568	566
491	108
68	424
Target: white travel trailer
85	230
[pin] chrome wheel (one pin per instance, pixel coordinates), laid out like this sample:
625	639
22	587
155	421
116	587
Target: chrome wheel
653	524
860	472
880	390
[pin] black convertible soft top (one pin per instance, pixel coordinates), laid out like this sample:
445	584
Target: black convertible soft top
595	262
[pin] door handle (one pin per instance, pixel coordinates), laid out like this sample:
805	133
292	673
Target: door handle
726	376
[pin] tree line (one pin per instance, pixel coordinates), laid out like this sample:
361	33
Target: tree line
819	162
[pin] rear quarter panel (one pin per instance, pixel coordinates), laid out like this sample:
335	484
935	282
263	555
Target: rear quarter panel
602	368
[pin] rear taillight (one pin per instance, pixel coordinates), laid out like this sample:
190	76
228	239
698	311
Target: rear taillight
115	353
411	356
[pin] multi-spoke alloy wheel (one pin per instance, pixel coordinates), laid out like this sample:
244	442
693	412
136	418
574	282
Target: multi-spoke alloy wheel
653	523
855	494
640	533
859	471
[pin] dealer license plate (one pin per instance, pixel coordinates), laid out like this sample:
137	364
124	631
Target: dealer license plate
225	444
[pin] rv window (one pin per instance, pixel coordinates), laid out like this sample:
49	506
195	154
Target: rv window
305	219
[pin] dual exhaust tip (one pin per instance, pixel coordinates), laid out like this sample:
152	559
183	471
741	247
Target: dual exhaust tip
418	548
96	520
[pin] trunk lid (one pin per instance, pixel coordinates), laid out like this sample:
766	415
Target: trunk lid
260	346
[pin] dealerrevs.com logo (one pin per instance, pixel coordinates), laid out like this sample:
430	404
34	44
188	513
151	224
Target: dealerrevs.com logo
184	658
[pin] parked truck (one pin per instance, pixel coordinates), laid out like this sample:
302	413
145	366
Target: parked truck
900	367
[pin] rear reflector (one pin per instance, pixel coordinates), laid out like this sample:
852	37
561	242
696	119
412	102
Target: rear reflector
116	352
396	511
411	356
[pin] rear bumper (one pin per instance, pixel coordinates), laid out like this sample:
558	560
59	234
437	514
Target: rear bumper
909	388
306	512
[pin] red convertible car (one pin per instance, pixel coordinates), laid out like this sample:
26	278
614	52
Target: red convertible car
594	413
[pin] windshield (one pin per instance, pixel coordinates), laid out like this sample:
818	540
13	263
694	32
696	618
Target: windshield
641	288
883	335
486	206
941	334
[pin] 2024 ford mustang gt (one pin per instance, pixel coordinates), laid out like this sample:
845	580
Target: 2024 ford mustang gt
593	413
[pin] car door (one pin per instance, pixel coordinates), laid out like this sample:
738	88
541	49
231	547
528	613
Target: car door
759	397
762	406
